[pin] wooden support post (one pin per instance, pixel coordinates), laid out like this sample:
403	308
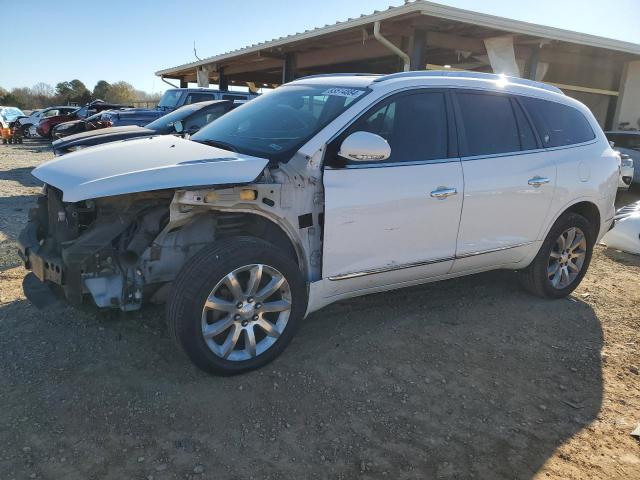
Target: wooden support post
288	67
223	81
531	66
183	83
417	50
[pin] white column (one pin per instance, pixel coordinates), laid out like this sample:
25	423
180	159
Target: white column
202	75
628	107
502	56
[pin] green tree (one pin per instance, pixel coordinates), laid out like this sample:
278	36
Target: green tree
121	92
101	90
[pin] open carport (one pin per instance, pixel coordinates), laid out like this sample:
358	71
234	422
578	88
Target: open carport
600	72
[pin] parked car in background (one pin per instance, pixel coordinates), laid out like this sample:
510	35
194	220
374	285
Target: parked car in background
76	126
626	171
187	119
30	122
131	116
45	127
8	115
177	97
329	187
628	142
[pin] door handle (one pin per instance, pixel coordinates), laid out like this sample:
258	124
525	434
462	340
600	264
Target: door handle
538	181
443	192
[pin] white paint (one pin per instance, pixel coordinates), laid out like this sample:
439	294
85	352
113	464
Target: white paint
502	56
145	164
383	217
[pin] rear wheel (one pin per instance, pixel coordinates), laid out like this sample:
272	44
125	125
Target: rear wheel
563	259
236	305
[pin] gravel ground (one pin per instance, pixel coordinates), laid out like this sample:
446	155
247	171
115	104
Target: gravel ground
468	378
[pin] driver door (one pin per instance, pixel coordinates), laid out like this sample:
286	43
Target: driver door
394	221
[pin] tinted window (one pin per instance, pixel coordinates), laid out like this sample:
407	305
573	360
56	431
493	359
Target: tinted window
199	97
415	126
234	97
489	124
200	119
275	125
558	124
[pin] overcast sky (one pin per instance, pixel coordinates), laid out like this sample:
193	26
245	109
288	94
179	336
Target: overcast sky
131	39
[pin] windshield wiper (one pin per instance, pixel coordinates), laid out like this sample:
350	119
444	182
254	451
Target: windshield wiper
219	144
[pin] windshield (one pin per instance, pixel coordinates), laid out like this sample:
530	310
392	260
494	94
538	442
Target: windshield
166	121
11	113
170	99
276	124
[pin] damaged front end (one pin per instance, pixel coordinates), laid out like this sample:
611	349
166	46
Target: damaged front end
92	247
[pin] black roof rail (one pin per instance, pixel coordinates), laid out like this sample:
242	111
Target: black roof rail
469	74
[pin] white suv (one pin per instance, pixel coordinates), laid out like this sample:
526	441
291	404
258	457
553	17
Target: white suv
327	188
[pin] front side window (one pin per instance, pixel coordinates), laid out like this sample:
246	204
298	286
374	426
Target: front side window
558	124
489	124
203	117
275	125
414	125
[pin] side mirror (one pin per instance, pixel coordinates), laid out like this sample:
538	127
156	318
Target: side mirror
178	127
365	147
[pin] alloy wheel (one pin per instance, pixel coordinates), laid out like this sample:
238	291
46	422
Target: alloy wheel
567	258
246	312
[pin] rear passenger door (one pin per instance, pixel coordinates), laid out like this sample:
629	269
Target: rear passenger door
509	181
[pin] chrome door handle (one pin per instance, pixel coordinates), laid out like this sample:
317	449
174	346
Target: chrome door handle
442	192
538	181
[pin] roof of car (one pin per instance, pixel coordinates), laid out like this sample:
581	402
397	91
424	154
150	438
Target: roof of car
464	79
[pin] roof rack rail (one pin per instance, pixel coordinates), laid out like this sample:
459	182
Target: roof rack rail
320	75
469	74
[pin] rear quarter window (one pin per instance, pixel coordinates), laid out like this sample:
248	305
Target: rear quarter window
558	124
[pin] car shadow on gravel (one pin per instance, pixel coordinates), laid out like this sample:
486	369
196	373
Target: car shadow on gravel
15	211
21	175
458	379
31	145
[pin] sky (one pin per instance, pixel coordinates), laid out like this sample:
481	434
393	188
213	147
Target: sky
130	40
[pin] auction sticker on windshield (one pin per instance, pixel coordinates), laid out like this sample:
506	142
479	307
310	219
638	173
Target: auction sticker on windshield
343	92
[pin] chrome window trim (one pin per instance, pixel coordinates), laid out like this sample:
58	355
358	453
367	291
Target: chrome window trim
363	273
527	152
394	164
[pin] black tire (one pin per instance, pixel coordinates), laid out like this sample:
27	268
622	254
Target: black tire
202	273
535	278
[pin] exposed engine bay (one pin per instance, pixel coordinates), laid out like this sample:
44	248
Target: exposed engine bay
124	250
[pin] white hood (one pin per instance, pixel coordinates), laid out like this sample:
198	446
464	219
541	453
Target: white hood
145	164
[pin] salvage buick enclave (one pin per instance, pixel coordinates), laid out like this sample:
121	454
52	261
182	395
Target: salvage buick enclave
329	187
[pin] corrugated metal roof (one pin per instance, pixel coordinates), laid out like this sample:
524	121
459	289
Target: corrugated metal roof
429	9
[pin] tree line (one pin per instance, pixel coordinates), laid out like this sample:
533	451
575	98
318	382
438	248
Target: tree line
43	95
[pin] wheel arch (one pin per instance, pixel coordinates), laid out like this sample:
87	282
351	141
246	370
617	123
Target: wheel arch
271	229
585	207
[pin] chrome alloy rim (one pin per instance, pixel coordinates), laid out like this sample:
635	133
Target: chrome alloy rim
567	258
246	312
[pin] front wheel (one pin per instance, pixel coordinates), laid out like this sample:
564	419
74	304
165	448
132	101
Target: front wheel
236	305
563	259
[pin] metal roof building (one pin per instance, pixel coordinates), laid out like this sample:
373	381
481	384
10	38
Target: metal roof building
602	73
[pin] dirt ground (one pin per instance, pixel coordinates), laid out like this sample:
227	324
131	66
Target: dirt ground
468	378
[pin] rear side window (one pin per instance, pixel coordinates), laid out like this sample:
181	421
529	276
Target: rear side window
489	123
415	125
198	97
558	124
